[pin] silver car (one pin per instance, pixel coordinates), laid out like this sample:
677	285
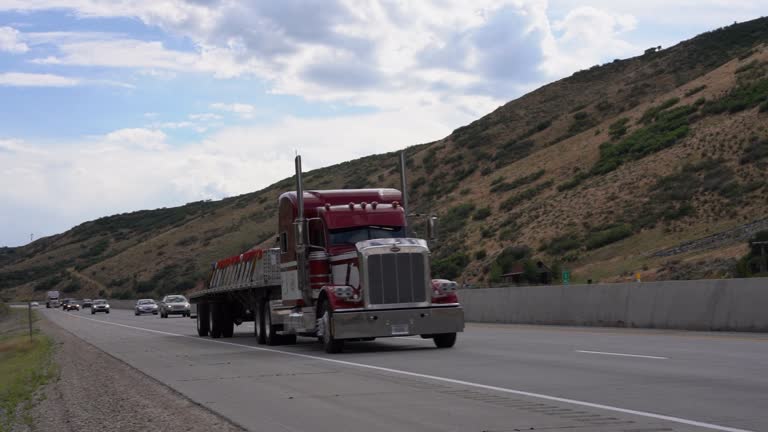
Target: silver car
99	305
145	306
174	305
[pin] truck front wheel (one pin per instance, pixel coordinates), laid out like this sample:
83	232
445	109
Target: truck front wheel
445	340
270	331
258	323
330	344
203	320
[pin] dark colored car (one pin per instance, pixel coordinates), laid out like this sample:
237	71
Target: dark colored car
99	305
87	303
174	305
145	306
70	305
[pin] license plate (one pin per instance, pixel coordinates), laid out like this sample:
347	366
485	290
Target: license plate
400	329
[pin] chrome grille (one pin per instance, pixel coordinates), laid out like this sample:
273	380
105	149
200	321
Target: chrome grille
396	278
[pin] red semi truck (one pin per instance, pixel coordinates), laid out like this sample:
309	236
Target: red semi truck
345	270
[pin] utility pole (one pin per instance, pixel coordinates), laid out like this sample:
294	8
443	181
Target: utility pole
29	316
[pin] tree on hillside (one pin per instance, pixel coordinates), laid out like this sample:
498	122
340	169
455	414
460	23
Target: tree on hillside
755	263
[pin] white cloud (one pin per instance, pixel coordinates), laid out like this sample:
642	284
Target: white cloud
587	36
205	116
241	109
146	139
20	79
132	169
10	41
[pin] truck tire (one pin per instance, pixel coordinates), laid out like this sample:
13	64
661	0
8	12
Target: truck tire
214	314
258	323
445	340
228	324
270	330
203	320
331	345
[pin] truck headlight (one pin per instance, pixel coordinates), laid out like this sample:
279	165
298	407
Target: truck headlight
344	292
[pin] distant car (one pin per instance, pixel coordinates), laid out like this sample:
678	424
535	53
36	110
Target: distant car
99	305
145	306
174	305
64	302
71	305
87	303
34	304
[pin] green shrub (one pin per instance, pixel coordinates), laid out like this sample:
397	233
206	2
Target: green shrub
751	65
739	98
48	284
507	234
695	90
651	113
756	150
618	128
482	213
455	218
514	184
598	239
512	151
668	128
562	244
73	286
525	195
572	183
581	122
450	267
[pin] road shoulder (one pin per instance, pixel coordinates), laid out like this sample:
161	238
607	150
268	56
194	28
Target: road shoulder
95	391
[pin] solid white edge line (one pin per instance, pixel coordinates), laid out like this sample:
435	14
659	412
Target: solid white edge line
622	355
442	379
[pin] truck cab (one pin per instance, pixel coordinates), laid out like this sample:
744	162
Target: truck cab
366	277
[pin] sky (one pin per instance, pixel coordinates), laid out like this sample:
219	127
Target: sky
112	106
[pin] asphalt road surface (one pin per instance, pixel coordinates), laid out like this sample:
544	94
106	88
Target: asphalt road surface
497	378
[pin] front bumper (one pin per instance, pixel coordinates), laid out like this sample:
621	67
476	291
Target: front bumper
176	311
398	322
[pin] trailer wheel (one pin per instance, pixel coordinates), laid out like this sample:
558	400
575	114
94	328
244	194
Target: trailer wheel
258	323
203	320
445	340
330	344
270	331
228	324
215	319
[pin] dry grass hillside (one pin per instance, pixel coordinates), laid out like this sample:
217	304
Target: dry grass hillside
599	173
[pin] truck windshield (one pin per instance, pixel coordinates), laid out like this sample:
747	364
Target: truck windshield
356	234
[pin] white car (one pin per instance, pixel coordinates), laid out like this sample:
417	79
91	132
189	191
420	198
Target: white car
174	305
34	304
145	306
99	305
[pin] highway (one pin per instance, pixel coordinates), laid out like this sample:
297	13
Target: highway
497	378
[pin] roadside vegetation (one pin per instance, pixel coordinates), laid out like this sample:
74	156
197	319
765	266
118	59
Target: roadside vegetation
25	366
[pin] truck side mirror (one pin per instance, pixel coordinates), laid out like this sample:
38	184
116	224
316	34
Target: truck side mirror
432	228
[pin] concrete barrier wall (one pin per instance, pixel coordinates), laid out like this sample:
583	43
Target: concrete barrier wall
724	304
